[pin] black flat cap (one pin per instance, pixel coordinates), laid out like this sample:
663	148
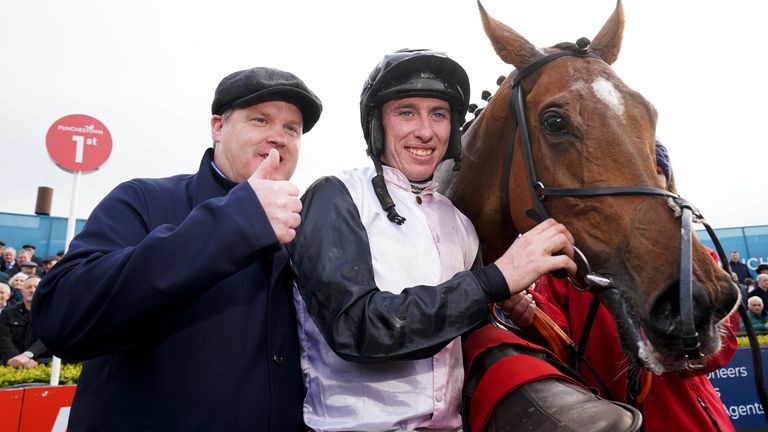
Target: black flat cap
49	259
262	84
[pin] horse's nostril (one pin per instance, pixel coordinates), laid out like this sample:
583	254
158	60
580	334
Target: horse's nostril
664	316
665	311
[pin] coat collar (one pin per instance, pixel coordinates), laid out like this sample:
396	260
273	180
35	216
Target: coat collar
208	183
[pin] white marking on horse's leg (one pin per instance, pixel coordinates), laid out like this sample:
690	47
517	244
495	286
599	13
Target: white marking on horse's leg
605	90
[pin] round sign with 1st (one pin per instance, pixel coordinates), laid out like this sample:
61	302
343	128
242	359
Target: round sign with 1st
78	143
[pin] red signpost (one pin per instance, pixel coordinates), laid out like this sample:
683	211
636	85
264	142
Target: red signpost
78	143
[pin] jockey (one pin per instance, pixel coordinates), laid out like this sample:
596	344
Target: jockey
388	272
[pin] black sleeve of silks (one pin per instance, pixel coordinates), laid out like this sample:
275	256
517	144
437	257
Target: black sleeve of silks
491	278
123	277
332	260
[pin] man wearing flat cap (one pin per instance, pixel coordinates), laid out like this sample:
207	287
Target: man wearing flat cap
762	268
31	249
29	268
171	342
48	263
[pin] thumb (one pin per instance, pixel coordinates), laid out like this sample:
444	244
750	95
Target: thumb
268	166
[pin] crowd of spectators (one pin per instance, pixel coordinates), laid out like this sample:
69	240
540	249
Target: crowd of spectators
755	293
20	273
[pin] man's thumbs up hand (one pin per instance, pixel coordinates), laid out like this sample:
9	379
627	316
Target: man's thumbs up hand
279	198
268	166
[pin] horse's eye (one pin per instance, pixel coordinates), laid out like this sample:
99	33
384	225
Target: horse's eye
554	123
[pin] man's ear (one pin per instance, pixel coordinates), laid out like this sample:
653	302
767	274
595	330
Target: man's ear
216	123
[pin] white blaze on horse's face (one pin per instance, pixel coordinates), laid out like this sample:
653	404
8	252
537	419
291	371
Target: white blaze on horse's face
607	93
416	134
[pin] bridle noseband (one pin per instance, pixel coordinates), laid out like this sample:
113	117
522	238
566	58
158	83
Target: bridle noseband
586	279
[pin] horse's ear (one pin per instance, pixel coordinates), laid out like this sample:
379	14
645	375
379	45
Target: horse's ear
607	43
509	45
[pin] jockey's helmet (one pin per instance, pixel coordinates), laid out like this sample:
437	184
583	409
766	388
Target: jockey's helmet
414	73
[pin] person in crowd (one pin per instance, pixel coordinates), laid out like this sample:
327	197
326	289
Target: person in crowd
9	259
3	275
16	282
761	290
739	268
746	288
29	268
20	346
47	264
749	285
757	314
5	295
21	258
762	268
31	250
388	275
178	344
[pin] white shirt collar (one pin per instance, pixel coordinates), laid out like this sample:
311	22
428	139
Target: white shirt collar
394	177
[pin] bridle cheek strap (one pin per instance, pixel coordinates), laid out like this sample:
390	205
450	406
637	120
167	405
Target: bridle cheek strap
689	335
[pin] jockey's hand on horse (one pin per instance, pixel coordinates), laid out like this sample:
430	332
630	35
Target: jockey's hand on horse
519	309
545	248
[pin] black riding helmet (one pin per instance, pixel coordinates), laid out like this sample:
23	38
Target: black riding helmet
414	73
411	73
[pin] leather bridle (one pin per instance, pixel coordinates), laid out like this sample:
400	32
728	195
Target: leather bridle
586	279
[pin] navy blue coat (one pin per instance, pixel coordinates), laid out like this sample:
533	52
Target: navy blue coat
178	295
742	271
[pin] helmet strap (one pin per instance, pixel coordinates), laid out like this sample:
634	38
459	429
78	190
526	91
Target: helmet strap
380	188
376	135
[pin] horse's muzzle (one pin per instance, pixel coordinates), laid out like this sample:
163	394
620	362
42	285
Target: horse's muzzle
664	321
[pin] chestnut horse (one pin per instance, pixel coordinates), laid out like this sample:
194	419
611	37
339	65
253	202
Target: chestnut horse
565	137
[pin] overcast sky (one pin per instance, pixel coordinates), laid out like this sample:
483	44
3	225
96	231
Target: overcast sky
147	69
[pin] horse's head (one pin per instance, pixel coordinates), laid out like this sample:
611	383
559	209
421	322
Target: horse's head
589	130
